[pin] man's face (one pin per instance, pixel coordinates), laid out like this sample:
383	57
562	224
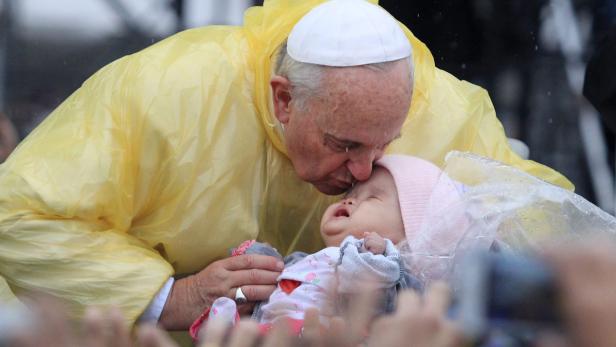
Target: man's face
334	140
371	206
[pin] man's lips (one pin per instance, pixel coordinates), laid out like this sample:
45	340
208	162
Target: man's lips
343	184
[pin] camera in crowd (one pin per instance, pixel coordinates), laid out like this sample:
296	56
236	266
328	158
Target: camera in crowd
508	298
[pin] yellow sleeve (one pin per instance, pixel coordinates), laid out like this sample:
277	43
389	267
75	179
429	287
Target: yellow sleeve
69	195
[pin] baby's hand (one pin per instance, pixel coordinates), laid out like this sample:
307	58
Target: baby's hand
374	243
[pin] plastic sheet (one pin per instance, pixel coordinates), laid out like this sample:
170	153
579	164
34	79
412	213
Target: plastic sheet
498	206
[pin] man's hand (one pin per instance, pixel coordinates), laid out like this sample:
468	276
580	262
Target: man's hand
585	272
190	296
374	243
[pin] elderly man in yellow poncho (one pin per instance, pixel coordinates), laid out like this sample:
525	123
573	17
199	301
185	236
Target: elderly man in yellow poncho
134	189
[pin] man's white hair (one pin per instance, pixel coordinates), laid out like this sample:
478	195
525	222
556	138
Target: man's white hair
306	78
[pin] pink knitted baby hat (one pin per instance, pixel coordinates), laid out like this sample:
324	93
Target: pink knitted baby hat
420	185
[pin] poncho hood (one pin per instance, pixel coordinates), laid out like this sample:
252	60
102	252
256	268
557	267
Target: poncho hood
268	26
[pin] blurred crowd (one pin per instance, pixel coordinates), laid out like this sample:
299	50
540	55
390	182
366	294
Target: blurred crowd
8	137
584	273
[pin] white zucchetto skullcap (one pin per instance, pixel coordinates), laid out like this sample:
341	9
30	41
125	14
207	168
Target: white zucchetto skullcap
347	33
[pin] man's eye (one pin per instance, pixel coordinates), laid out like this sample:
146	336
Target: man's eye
337	147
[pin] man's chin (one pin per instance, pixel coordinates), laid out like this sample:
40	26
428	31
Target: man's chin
329	189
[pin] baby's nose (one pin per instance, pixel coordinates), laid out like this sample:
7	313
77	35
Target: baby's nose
348	201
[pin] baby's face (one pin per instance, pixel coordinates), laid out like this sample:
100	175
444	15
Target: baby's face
371	206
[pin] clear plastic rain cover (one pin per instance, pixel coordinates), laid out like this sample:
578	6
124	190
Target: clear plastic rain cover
496	207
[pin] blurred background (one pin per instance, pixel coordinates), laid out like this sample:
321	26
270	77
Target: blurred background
531	56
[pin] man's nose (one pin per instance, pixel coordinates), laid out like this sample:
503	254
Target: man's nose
379	154
361	167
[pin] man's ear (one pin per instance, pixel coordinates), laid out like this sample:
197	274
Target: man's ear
281	95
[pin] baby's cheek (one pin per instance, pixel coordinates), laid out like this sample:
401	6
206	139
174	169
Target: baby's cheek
397	236
357	233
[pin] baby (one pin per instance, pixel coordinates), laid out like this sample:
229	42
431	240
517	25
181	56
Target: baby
359	233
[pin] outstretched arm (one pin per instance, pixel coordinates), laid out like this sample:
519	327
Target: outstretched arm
69	197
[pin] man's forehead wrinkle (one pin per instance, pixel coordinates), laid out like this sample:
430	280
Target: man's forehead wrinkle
358	134
373	141
361	105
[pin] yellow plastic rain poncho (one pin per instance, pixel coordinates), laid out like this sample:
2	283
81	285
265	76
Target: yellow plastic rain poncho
166	158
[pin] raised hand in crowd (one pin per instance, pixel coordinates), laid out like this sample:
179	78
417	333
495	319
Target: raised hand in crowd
46	323
416	322
585	272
